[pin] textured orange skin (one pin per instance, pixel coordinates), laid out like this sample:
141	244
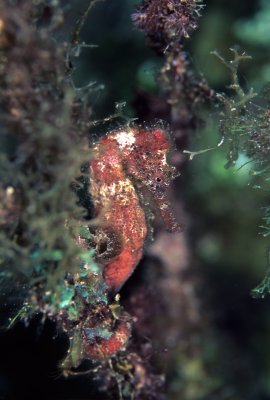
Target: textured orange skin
147	164
118	210
106	348
121	159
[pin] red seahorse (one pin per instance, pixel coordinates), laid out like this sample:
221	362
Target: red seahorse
126	161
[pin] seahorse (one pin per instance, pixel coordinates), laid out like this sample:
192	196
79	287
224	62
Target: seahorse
128	165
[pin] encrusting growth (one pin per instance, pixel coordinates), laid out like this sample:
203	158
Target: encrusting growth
167	20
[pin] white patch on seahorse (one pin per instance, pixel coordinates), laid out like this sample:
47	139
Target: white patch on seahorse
120	189
125	139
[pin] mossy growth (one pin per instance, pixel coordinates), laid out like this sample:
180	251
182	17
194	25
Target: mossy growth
43	145
244	128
